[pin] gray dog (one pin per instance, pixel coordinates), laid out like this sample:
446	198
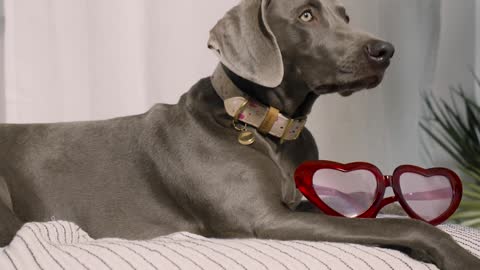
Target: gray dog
186	167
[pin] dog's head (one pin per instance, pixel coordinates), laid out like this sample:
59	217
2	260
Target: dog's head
270	41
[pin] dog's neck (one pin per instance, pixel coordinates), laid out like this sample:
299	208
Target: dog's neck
256	110
291	97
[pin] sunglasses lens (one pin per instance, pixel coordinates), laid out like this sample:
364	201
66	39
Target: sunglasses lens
348	193
428	197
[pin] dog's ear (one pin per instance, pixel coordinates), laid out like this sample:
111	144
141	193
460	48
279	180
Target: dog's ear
246	45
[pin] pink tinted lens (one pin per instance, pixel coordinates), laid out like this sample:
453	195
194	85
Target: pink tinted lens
348	193
429	197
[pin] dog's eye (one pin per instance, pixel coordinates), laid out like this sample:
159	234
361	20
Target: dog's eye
306	16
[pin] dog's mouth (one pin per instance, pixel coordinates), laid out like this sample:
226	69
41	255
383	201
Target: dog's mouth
348	88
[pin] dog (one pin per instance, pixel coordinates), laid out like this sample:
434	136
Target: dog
219	163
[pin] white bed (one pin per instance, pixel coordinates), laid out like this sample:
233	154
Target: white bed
63	245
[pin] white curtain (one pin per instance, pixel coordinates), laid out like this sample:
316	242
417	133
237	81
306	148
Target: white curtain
69	60
92	59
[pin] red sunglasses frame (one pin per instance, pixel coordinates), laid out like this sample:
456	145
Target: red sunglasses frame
304	182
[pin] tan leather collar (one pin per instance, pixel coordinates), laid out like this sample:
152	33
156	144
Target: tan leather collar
240	106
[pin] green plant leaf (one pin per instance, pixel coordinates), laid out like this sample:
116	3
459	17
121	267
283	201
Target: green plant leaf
466	214
470	205
445	147
472	186
471	194
471	222
454	125
470	172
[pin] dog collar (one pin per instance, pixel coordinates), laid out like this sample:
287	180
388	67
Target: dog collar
267	120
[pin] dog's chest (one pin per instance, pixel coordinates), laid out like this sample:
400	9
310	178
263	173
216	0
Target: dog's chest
285	158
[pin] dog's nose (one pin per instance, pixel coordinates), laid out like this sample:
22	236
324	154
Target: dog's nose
379	52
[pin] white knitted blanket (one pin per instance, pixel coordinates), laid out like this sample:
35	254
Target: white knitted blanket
63	245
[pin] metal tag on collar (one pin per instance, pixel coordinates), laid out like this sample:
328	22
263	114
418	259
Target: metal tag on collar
246	137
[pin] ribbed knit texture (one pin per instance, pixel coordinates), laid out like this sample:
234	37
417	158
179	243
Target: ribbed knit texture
63	245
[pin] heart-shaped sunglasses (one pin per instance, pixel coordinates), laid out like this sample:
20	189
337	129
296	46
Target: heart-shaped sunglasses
357	190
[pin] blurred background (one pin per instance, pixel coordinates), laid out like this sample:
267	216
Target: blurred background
70	60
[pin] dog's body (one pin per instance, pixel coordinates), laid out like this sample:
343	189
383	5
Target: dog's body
180	167
143	176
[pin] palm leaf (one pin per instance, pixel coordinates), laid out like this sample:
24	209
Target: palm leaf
471	194
471	222
454	125
472	186
470	172
467	214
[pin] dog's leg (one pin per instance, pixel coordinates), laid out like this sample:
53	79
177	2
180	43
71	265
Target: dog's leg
9	225
307	206
407	234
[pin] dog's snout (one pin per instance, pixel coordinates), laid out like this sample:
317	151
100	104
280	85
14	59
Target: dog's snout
380	52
